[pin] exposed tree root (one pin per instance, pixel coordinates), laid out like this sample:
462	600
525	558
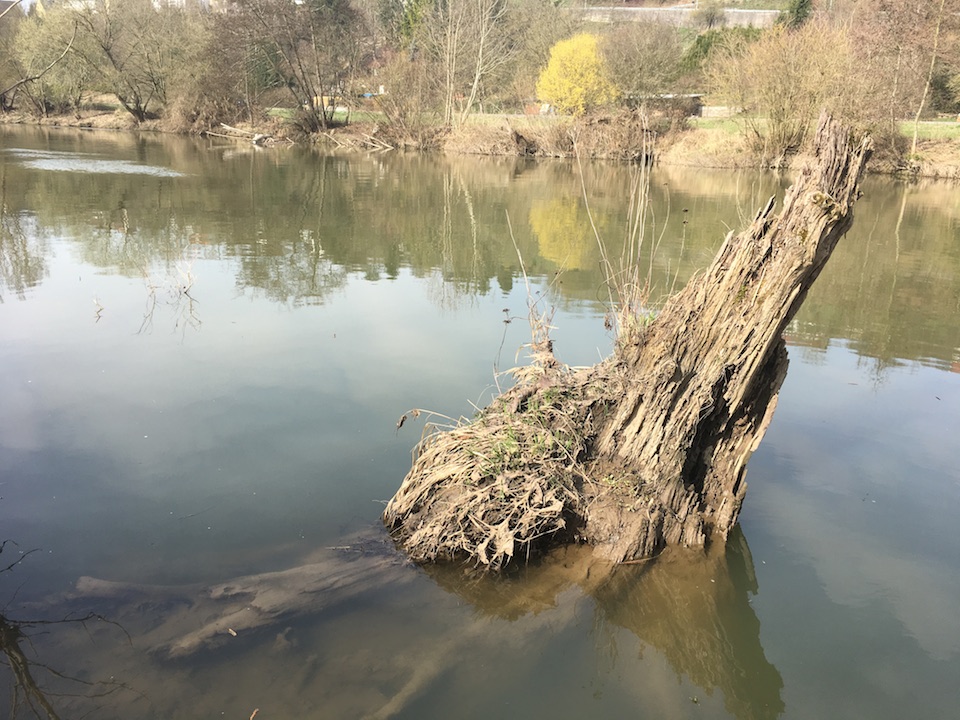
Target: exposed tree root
650	447
493	489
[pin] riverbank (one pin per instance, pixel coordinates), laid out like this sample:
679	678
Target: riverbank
690	143
694	143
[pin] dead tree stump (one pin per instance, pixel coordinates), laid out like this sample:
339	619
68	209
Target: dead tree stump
650	447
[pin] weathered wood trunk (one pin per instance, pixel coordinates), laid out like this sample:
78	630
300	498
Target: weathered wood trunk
194	618
654	442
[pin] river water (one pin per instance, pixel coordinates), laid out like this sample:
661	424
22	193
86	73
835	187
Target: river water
204	351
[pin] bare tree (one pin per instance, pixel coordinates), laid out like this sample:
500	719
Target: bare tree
54	77
314	46
134	49
937	21
643	58
782	81
490	48
113	52
903	43
23	69
537	26
469	41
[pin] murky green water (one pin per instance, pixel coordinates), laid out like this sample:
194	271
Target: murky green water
204	350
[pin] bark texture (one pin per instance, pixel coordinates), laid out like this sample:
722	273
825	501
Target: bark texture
650	447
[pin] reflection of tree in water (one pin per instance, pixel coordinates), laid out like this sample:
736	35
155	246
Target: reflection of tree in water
287	263
166	268
173	287
298	224
22	257
892	288
297	273
22	253
695	609
562	227
461	244
692	607
36	687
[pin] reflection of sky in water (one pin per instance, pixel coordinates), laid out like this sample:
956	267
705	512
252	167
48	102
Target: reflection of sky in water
280	412
860	481
86	163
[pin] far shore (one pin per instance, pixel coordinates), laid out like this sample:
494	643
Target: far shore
702	143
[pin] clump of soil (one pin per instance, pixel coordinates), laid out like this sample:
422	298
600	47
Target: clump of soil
510	482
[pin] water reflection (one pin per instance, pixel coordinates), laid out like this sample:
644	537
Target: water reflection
695	609
22	250
691	607
85	163
893	285
36	687
294	224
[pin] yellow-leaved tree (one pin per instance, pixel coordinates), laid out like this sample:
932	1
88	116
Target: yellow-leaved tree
575	79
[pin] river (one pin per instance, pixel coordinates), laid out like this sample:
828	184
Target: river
205	348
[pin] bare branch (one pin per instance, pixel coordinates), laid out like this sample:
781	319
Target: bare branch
47	69
18	560
11	7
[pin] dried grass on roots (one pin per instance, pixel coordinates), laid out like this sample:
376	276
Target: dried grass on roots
505	485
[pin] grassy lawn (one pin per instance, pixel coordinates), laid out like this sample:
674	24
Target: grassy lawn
359	116
729	126
933	129
285	113
929	129
338	117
